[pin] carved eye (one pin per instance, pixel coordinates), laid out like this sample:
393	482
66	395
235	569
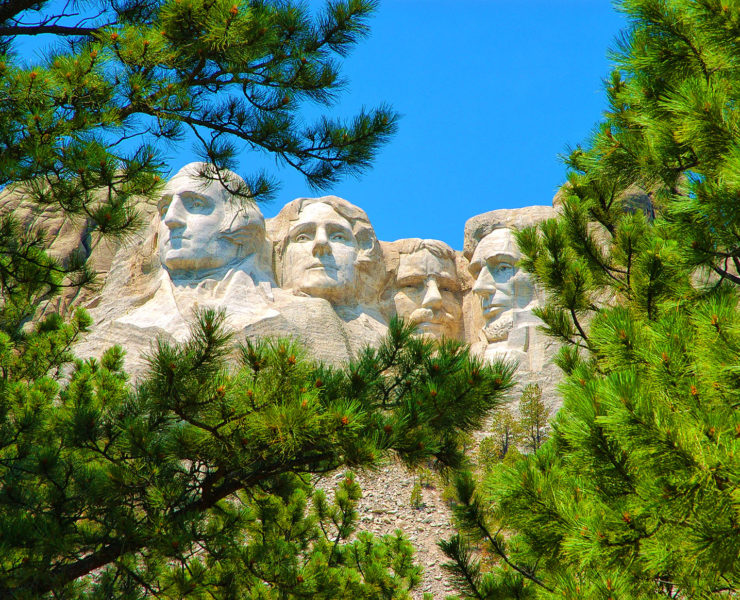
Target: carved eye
338	236
302	237
163	209
446	288
503	268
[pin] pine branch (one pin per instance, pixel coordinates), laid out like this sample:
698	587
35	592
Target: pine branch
63	575
51	30
10	8
726	274
581	332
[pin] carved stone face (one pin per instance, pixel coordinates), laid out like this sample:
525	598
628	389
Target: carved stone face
200	231
321	253
427	293
500	286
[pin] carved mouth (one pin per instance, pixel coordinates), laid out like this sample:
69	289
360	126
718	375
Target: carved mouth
493	302
430	327
491	309
492	305
320	267
435	322
436	328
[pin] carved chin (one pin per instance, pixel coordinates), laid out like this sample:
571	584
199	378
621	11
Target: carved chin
321	285
432	324
175	260
498	329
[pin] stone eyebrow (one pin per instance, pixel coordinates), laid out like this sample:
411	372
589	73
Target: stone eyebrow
334	226
194	194
476	264
300	228
410	279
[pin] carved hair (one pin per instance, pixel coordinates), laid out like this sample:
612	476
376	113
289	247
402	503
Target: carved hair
486	231
437	248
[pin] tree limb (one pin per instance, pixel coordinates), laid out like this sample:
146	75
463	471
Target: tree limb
11	31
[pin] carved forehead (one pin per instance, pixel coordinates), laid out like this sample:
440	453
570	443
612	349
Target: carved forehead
195	178
319	212
183	186
497	244
424	263
236	214
202	178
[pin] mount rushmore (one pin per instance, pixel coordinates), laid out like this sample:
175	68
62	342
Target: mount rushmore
316	271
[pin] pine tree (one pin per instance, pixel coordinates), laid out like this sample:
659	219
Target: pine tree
534	416
501	443
513	431
635	495
200	481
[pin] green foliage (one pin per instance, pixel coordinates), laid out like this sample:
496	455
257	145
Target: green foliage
534	416
199	479
512	432
416	500
425	477
636	493
29	277
82	127
502	443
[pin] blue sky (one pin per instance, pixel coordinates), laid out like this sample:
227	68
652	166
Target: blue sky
490	92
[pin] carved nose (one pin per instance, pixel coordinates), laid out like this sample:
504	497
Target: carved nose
484	284
432	297
321	243
175	217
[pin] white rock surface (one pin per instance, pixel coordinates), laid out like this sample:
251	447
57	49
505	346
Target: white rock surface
498	310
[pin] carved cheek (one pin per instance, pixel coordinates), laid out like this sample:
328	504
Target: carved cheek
201	236
163	235
522	288
404	305
297	256
452	306
345	257
505	289
408	299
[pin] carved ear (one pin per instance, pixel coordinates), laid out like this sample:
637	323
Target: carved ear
369	258
366	240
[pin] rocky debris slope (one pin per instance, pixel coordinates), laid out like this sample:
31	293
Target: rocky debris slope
386	507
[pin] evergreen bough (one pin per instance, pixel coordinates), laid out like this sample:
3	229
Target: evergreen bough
199	481
83	127
635	496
